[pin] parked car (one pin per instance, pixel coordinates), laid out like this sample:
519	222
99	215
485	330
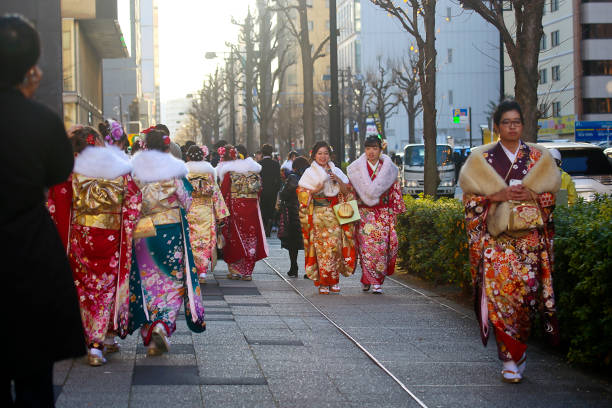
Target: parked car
588	166
608	153
414	170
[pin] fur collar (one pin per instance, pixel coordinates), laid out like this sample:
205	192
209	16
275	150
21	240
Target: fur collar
478	177
153	165
200	167
238	166
118	152
100	162
316	175
370	190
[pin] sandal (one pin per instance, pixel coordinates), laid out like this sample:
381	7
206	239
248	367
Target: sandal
234	276
247	278
365	288
335	288
522	363
511	377
323	290
377	290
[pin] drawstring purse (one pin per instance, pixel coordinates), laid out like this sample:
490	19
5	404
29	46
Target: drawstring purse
346	211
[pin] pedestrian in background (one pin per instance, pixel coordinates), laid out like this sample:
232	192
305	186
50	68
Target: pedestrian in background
115	137
271	182
207	210
329	247
245	240
289	228
100	205
163	275
509	189
41	320
566	180
374	177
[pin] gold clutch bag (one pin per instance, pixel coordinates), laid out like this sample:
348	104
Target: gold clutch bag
524	216
144	228
347	212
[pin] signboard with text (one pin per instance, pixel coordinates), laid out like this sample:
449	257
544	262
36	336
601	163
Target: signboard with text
593	131
460	116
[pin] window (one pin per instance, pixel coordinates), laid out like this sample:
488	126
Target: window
308	3
597	105
554	5
310	25
556	109
291	79
543	110
543	78
555	73
554	38
543	42
449	14
450	97
602	67
450	55
590	31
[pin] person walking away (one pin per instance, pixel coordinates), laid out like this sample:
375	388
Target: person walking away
163	274
374	177
245	240
101	205
207	210
566	180
115	138
329	248
290	229
509	189
271	182
42	323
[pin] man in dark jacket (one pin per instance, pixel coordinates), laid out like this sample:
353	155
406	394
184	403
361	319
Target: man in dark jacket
271	180
42	322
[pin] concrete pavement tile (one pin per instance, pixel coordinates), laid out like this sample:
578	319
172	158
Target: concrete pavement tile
305	388
166	360
319	401
236	392
231	403
88	402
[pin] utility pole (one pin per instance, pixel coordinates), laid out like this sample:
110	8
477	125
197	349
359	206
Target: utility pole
470	124
342	133
232	90
351	125
334	113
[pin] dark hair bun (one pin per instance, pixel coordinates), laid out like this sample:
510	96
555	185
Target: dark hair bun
194	153
156	140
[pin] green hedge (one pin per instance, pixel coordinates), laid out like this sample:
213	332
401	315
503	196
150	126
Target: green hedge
433	246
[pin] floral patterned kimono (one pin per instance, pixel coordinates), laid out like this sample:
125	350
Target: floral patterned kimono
207	209
329	248
96	211
511	272
245	239
164	275
380	201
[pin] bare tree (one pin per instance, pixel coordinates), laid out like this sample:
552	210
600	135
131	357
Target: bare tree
522	42
381	86
248	63
360	99
418	18
407	82
309	55
209	109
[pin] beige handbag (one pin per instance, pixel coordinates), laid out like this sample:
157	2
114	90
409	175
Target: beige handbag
346	212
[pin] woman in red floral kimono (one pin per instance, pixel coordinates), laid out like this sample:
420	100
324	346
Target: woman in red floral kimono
509	189
245	240
374	177
96	211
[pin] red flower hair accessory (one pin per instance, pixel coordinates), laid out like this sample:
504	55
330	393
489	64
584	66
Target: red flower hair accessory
221	152
91	139
166	139
233	153
204	150
148	130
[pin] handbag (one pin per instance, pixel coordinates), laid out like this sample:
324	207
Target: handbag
347	211
145	228
524	216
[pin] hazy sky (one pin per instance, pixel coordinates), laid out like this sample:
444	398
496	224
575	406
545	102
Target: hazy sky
187	30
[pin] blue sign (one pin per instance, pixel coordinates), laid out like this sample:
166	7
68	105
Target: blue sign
593	131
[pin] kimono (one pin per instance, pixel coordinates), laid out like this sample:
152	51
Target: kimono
95	212
164	275
511	272
380	201
245	239
207	209
329	248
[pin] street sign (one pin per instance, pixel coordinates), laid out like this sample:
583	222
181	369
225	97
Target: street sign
593	131
460	116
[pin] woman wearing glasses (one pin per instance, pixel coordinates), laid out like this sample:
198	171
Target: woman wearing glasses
509	189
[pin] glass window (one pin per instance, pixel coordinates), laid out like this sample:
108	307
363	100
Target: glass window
415	155
543	42
584	162
556	109
450	97
543	110
543	78
554	38
450	55
591	31
554	5
597	105
310	25
555	73
602	67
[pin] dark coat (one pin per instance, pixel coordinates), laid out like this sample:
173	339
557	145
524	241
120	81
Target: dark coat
290	229
41	322
271	183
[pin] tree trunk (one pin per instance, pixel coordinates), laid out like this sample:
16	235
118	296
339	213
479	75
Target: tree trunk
427	74
265	74
411	121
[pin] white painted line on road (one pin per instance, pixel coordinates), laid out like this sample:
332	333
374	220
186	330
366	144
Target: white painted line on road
366	352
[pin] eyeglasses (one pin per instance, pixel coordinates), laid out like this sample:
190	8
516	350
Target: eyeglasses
511	123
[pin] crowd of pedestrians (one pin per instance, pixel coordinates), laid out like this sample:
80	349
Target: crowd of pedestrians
112	239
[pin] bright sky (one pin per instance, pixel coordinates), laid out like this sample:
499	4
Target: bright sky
187	30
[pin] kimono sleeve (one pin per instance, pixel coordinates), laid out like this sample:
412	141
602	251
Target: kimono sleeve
475	220
219	206
183	193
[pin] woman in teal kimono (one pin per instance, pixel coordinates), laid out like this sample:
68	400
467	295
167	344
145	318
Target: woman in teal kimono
164	274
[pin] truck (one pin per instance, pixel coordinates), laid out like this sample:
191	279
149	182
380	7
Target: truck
414	170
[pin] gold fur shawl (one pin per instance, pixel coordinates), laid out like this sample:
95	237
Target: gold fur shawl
480	178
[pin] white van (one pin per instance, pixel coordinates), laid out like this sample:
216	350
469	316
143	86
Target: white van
588	166
414	170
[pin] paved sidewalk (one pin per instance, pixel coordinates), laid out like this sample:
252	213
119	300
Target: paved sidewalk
266	346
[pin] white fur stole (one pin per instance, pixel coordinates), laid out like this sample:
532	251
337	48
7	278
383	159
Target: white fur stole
316	175
370	190
238	166
118	152
201	167
152	165
100	162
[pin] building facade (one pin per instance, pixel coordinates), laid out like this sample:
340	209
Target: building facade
468	64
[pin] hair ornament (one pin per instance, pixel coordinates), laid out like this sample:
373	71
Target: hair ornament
115	131
91	139
166	139
148	130
232	153
204	150
221	151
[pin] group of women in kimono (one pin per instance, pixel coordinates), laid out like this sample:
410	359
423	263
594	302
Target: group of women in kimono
141	232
